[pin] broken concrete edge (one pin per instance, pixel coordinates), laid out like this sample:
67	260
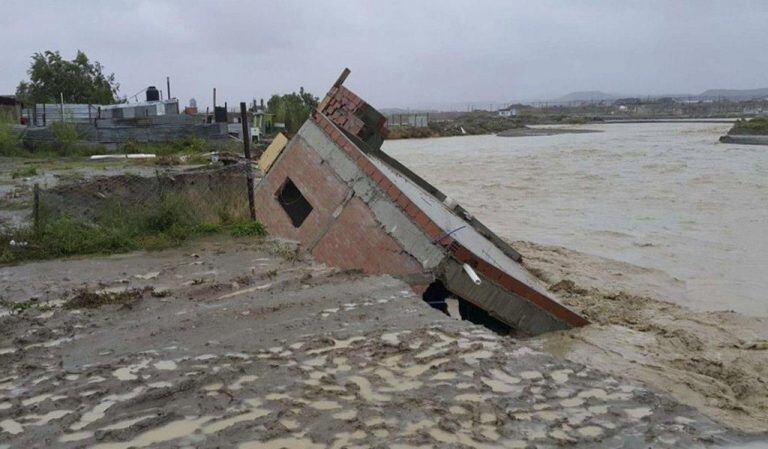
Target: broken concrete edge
438	237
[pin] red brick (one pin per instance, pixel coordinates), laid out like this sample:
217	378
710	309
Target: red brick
317	183
494	273
433	231
385	184
403	202
365	165
462	254
422	220
412	210
509	284
393	192
356	241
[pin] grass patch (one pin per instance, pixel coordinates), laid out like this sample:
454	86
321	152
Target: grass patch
189	146
9	141
247	229
755	126
119	228
25	172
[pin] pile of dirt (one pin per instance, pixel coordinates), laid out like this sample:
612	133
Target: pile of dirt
87	299
714	361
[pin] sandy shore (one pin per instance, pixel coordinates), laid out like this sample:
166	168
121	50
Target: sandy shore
238	344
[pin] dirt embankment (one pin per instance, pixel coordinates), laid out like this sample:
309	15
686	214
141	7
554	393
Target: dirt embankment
748	132
716	362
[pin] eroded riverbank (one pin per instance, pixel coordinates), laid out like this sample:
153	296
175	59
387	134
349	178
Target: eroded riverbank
247	345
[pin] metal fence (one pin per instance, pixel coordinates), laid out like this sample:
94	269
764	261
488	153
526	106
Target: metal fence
416	120
210	195
43	114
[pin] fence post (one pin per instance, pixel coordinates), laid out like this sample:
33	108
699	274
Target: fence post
247	152
36	209
159	185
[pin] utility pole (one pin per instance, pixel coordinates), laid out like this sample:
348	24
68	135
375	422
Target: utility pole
247	152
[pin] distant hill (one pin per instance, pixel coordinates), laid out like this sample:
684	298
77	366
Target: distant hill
587	95
735	94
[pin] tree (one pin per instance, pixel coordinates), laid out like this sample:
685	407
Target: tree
292	109
79	80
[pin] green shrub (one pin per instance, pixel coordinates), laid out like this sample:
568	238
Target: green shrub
26	172
208	228
66	136
187	145
66	237
171	212
9	141
757	125
191	145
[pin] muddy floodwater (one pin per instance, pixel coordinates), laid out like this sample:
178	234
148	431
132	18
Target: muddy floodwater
665	196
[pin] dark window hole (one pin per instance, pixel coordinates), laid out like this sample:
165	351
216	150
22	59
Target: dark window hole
293	202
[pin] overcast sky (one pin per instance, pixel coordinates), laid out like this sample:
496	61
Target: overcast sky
405	53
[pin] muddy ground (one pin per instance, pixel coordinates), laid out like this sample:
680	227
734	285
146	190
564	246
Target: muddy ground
716	362
240	343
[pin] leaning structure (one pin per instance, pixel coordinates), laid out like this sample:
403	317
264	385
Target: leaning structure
354	207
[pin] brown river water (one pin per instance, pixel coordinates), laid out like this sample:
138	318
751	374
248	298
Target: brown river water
666	196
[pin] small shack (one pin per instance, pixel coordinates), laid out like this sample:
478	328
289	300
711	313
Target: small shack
354	207
10	109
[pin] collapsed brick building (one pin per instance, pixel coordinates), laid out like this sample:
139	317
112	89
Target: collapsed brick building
354	207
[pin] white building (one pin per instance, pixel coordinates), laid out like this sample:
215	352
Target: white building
507	112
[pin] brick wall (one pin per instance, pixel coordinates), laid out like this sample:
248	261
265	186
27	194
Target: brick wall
356	240
316	182
351	240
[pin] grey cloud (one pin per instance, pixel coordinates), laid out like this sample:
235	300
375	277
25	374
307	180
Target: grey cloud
402	53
